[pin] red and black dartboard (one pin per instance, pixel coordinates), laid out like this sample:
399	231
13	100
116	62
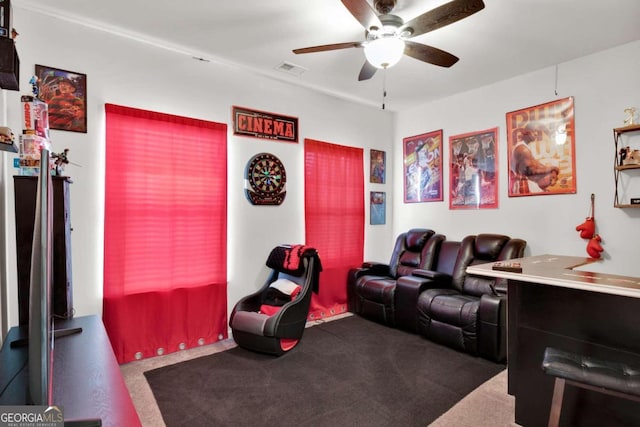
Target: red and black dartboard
265	180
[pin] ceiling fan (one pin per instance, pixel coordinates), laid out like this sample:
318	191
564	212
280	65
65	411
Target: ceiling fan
387	36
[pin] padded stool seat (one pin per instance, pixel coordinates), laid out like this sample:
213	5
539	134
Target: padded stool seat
614	378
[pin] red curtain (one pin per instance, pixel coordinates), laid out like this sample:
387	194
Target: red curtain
334	218
165	261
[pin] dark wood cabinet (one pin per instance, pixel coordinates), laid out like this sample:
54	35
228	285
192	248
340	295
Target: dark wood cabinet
25	188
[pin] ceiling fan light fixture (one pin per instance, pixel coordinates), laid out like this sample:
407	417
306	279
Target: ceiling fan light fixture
384	52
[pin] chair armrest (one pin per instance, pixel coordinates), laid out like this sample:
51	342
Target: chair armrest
492	327
250	302
367	269
373	269
371	264
491	307
434	276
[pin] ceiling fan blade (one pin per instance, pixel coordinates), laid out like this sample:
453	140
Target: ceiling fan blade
429	54
366	72
363	13
441	16
326	47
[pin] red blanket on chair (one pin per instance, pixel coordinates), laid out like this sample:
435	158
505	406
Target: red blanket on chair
293	255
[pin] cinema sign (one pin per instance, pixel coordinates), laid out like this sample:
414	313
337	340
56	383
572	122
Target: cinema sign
260	124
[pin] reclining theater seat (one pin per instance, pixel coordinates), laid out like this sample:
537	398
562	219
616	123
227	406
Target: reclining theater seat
371	288
272	319
470	314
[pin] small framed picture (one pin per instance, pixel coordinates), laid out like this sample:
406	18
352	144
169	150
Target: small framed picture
65	93
378	166
378	207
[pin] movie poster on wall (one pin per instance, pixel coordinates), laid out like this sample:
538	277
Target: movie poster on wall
541	143
423	167
65	93
378	207
473	170
378	166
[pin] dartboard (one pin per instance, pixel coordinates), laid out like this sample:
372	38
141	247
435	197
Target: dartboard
265	180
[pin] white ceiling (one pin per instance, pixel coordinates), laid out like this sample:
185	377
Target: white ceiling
505	39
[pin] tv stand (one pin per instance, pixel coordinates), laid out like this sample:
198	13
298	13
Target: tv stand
57	333
65	332
87	381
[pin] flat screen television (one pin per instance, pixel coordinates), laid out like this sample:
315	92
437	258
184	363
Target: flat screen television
42	334
41	337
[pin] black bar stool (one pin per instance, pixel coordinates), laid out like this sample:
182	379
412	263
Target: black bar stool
613	378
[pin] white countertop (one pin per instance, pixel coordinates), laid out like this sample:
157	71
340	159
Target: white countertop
558	270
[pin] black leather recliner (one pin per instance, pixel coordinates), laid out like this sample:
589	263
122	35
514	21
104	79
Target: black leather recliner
270	320
464	311
371	288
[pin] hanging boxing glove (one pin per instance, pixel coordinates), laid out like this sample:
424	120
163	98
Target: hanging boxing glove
593	247
588	228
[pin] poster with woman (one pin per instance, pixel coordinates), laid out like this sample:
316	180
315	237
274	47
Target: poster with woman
541	143
473	170
423	167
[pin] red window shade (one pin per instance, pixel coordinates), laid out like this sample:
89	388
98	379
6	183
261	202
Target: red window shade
334	218
165	232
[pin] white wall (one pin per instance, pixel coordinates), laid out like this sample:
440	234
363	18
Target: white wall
130	73
127	72
602	85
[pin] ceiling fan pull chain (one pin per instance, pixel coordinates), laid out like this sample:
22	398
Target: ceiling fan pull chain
384	86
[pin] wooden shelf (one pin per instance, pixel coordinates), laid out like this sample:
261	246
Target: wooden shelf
627	167
618	141
625	206
624	129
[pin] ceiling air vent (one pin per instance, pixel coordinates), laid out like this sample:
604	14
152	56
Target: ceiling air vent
289	68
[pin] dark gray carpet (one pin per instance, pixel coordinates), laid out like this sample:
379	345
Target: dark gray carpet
350	372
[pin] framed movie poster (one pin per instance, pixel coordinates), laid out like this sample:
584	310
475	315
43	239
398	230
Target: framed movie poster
378	165
378	207
541	144
423	167
474	170
65	93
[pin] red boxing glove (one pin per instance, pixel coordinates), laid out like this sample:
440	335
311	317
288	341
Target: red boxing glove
587	228
593	247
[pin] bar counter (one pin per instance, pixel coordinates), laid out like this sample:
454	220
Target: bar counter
551	303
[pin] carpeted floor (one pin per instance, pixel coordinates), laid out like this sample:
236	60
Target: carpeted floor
345	372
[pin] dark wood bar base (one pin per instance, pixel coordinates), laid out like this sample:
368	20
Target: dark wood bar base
553	304
589	323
